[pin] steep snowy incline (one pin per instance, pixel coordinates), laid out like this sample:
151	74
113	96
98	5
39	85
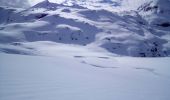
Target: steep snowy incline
157	14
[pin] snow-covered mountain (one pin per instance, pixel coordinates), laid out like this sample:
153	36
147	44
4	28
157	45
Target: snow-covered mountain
75	50
142	31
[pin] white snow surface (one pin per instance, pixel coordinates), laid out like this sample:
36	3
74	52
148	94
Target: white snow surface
24	77
80	50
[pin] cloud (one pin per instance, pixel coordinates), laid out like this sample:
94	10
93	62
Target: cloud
23	3
33	2
28	3
15	3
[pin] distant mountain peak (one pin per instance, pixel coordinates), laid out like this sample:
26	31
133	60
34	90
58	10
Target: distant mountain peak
156	12
46	4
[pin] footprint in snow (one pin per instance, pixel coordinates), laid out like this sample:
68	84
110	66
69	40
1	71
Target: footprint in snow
99	66
104	57
148	69
79	56
97	57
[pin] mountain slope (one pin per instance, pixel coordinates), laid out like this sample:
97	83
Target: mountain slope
75	50
127	33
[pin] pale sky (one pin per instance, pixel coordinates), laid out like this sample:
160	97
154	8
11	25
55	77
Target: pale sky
23	3
33	2
27	3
